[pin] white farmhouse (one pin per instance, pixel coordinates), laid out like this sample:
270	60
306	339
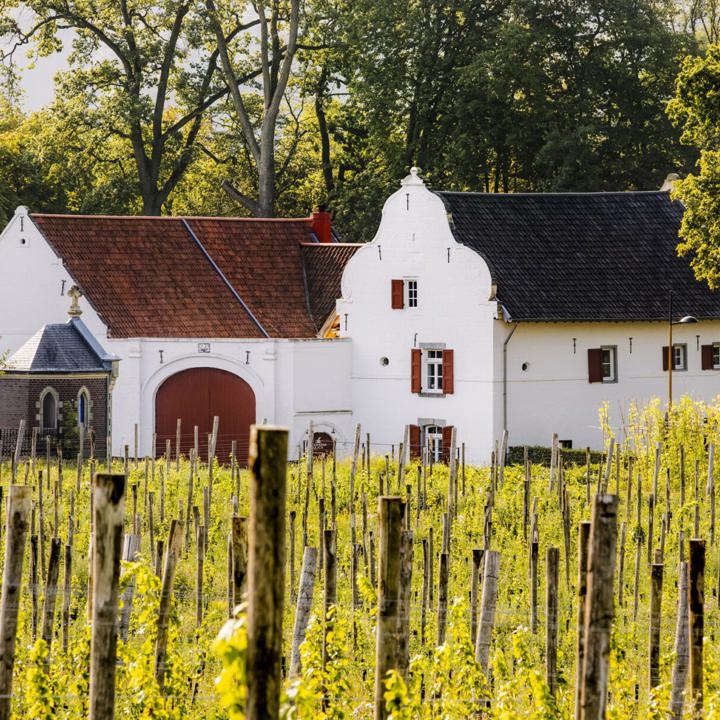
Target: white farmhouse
478	311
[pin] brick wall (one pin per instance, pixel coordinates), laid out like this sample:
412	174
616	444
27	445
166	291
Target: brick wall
20	399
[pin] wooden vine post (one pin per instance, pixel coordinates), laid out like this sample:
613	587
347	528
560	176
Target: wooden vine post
599	607
109	510
172	556
682	649
17	521
696	600
390	513
304	606
239	557
656	583
583	542
266	569
487	608
551	625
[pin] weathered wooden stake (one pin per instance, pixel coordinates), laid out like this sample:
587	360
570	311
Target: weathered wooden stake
108	510
172	556
583	542
551	618
621	568
266	569
50	596
199	569
487	608
17	520
389	577
656	582
682	646
534	554
330	584
406	558
240	556
696	601
443	578
599	607
477	565
304	606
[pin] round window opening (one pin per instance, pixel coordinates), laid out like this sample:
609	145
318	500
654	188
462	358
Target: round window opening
384	361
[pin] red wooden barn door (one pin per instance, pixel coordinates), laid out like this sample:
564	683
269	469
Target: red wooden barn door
196	396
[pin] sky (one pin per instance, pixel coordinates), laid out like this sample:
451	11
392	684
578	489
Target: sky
37	82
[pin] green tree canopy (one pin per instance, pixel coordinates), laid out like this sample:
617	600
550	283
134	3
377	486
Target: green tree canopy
696	107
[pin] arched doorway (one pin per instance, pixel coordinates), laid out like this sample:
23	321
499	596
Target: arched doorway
195	396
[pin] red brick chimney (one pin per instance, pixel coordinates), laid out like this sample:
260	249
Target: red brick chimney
321	224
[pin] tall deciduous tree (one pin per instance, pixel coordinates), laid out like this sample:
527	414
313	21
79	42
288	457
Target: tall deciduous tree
278	24
139	72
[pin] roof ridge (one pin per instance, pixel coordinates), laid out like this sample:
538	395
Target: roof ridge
80	216
596	193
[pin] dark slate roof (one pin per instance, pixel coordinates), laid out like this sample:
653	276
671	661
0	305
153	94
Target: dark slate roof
190	277
582	256
61	348
324	264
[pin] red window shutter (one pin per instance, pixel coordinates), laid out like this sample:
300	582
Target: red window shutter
397	294
448	372
415	449
446	441
707	357
665	357
595	365
416	371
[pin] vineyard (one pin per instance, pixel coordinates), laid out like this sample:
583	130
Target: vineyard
370	587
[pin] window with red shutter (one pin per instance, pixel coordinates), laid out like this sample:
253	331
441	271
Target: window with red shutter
415	370
448	372
446	442
708	360
414	437
397	294
595	368
679	357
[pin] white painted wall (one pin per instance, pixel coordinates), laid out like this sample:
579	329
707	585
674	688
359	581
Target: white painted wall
554	395
454	287
31	285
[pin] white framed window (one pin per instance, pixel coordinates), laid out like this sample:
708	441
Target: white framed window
434	441
433	370
679	355
716	356
609	363
411	292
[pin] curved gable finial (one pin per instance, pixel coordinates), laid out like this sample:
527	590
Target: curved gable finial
413	178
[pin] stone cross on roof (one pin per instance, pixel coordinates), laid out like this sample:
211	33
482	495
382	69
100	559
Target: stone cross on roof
75	293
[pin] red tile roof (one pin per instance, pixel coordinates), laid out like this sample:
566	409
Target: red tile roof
324	265
198	277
